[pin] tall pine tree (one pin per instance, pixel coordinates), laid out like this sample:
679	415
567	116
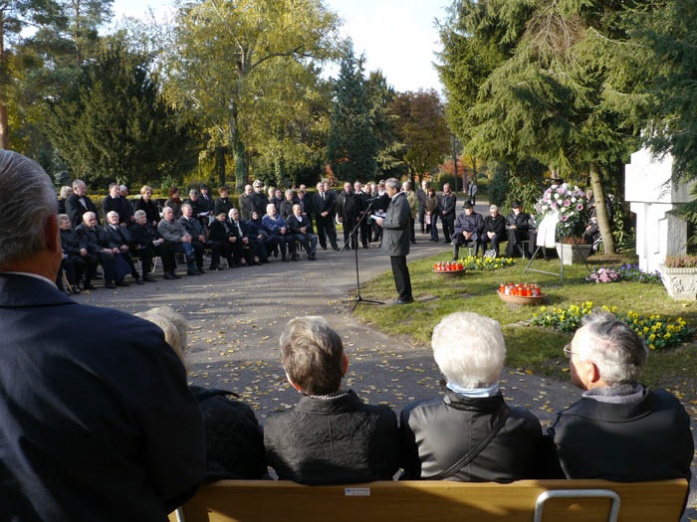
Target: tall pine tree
352	147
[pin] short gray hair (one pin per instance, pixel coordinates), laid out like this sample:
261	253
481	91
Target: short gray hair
27	199
616	349
172	324
393	183
139	214
312	355
469	349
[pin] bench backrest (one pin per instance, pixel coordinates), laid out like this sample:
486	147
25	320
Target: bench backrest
433	501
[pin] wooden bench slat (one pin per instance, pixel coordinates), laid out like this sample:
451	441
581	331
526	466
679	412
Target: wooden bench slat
250	501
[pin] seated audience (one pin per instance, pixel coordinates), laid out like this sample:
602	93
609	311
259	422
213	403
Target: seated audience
234	440
517	228
120	239
469	230
176	236
495	229
246	251
77	261
619	430
277	228
95	237
147	205
301	228
330	436
220	239
260	237
194	228
147	244
470	434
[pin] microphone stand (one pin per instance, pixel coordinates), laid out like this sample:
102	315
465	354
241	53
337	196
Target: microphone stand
356	229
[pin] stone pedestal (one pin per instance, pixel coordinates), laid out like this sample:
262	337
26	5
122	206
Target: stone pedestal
652	194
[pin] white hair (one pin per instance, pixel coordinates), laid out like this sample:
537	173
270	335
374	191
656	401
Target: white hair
172	324
27	200
617	351
469	349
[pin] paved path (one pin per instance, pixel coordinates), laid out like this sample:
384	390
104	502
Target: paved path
237	316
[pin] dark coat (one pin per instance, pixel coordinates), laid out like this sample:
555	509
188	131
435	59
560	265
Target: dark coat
97	420
334	441
119	205
75	209
95	238
234	440
223	205
645	440
472	223
447	203
71	243
152	212
436	433
496	224
395	236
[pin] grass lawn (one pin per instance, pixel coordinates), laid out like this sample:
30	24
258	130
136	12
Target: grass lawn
533	349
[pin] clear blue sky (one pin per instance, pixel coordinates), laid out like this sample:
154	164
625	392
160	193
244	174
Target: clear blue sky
397	36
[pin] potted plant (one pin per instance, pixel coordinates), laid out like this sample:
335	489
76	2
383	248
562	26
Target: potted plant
679	276
571	207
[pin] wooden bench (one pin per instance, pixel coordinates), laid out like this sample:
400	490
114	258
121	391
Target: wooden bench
434	501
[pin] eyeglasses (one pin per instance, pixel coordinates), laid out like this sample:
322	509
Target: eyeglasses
567	351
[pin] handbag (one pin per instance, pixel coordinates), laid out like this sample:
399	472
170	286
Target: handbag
470	456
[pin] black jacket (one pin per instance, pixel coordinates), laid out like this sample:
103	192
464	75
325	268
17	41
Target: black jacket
337	441
436	433
645	440
234	440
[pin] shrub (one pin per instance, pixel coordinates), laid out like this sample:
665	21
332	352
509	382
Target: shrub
486	263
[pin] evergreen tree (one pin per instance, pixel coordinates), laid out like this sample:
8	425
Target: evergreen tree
112	124
352	146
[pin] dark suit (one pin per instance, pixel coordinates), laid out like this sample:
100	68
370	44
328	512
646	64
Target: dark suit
119	205
120	237
143	237
219	234
325	202
150	208
395	241
446	206
75	208
97	240
96	421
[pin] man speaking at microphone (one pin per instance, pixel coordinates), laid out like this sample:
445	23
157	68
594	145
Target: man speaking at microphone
395	239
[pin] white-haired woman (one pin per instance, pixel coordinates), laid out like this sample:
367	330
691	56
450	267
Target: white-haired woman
470	434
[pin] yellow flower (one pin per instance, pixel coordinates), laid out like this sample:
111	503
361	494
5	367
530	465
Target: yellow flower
652	337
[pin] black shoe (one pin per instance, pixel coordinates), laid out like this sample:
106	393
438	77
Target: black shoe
76	290
335	248
295	257
324	247
110	285
200	270
285	259
88	286
403	301
148	278
312	257
139	281
193	272
170	277
122	283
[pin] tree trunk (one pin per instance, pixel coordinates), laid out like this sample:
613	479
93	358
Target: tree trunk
241	167
601	210
4	127
220	165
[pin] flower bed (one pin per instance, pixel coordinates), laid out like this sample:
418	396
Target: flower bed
486	263
658	332
625	272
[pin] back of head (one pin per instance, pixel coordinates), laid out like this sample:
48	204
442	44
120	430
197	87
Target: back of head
617	351
172	324
469	349
312	354
27	199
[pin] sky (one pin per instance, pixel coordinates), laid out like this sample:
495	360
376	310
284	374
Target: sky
398	37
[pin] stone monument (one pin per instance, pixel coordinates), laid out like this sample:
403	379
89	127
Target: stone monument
653	195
